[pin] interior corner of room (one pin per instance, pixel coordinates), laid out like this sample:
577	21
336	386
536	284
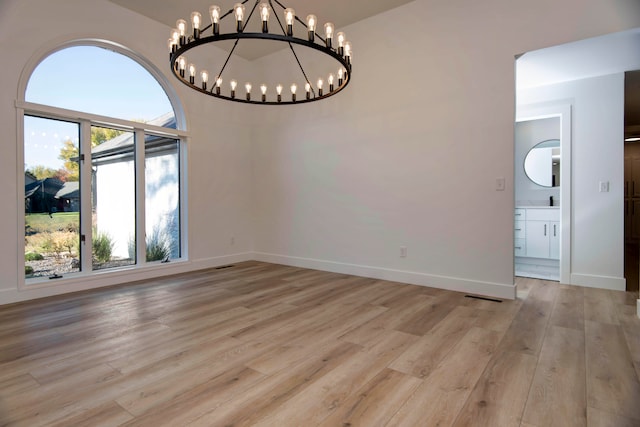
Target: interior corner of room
406	183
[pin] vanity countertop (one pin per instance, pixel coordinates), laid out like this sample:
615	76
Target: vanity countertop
536	207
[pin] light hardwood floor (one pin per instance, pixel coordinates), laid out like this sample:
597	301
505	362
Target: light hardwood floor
267	345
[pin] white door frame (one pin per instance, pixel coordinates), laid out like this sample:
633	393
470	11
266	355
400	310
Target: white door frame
562	111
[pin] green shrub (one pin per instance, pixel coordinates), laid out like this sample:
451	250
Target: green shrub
158	247
59	241
28	270
73	227
102	246
33	256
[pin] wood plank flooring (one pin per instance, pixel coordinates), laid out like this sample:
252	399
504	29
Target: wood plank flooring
259	344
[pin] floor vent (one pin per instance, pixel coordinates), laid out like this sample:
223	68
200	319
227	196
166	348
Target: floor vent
222	267
483	298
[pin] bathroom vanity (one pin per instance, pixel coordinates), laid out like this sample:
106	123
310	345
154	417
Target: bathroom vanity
537	242
537	232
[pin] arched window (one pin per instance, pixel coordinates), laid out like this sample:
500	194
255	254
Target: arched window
99	81
103	161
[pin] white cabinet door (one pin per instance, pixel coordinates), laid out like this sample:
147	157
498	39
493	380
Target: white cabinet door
554	240
537	239
519	247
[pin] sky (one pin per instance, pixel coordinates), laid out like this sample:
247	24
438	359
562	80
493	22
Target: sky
43	139
90	79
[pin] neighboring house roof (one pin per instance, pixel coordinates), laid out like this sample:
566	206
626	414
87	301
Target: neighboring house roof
49	186
29	177
70	190
123	144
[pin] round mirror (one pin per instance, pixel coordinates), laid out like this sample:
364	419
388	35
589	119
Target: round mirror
542	164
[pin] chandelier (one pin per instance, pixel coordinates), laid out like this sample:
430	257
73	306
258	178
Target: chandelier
286	30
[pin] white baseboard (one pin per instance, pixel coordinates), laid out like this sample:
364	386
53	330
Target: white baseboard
110	278
496	290
603	282
80	283
202	264
47	288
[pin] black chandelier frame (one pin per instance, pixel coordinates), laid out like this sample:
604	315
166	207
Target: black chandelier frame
196	39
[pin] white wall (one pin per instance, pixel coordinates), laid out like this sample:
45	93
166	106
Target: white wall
408	155
527	135
597	151
115	208
219	175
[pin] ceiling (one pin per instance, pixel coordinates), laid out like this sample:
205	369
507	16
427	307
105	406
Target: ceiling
598	56
339	12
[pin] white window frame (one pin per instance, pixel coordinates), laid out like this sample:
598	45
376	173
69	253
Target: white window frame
86	121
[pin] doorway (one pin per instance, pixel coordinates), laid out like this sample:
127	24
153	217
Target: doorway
544	249
632	180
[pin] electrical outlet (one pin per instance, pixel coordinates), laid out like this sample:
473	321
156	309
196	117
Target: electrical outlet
403	251
500	184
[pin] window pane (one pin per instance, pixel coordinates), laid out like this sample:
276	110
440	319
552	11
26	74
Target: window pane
113	198
51	197
162	201
99	81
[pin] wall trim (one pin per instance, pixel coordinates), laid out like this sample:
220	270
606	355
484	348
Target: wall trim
602	282
496	290
111	278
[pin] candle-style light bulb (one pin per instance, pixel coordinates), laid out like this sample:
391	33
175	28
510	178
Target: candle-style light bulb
307	88
330	80
218	85
181	25
348	52
175	35
289	17
294	88
320	83
279	91
328	32
341	39
196	21
263	89
233	85
204	76
182	65
340	76
171	44
175	40
214	12
238	10
312	22
192	73
264	14
247	86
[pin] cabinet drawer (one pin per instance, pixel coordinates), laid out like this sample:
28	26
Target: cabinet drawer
552	214
520	229
519	247
521	214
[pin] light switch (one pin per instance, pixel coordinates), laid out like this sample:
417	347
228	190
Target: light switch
603	186
500	184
